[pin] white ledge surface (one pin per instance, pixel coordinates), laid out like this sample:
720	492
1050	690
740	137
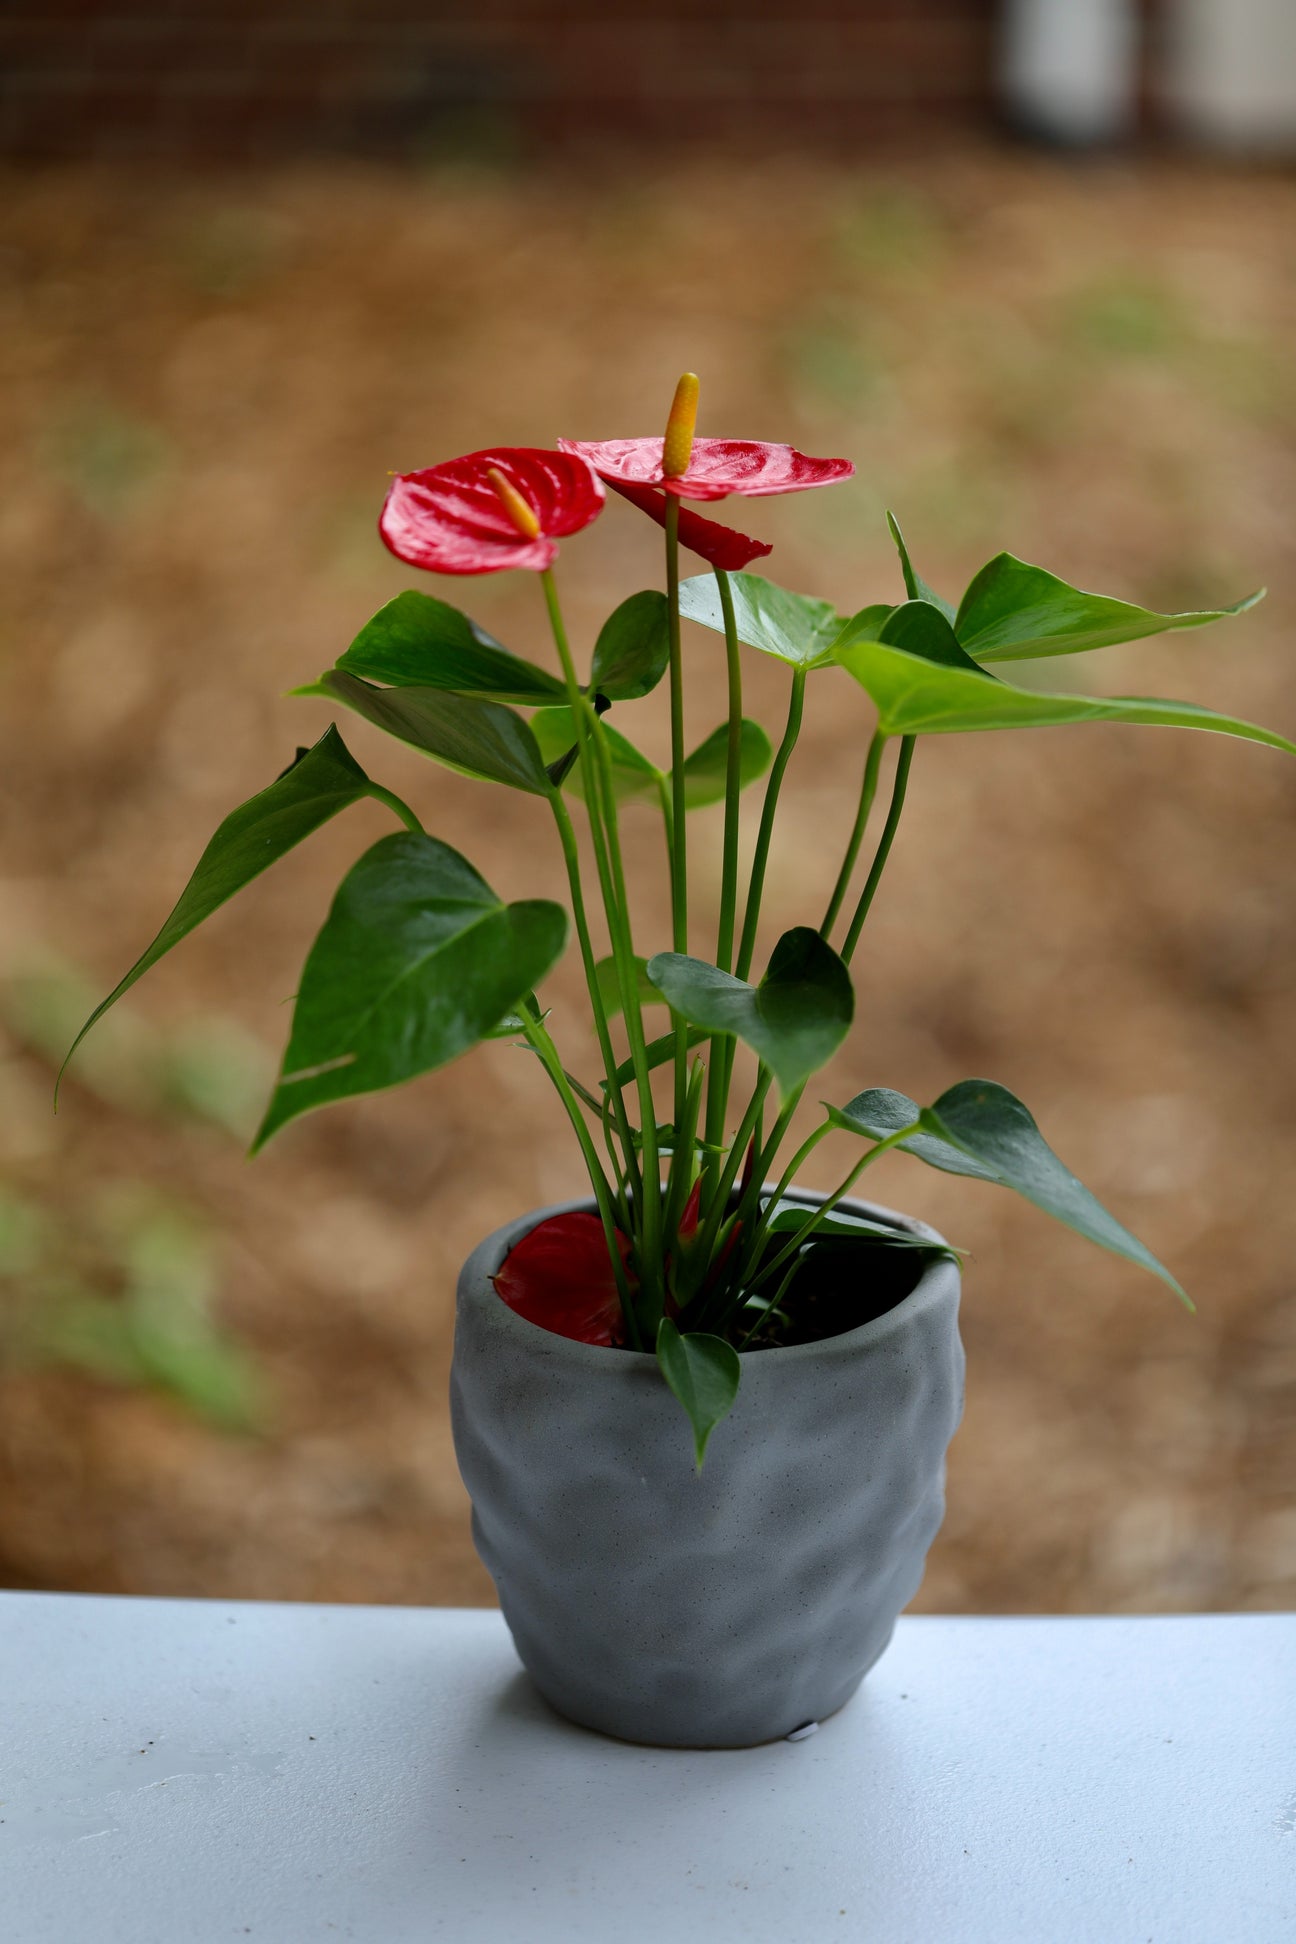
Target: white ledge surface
173	1772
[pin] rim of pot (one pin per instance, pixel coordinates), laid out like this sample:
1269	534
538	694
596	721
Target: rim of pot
597	1355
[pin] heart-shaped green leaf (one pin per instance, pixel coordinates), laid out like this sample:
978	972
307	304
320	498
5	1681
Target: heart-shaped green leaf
795	1019
879	1112
978	1128
480	739
705	770
632	652
917	627
704	1373
417	961
913	696
915	586
1013	612
323	780
417	641
796	627
633	776
610	986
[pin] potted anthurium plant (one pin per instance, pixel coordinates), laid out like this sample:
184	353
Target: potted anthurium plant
811	1339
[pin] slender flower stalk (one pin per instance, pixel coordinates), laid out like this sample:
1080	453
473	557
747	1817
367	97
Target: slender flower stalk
899	785
868	790
600	801
679	833
769	810
717	1100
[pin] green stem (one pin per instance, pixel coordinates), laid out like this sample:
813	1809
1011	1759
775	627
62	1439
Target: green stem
714	1216
868	790
548	1052
398	804
898	787
679	838
571	857
756	887
717	1087
600	802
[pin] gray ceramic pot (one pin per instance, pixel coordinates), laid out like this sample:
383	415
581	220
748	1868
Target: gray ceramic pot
720	1610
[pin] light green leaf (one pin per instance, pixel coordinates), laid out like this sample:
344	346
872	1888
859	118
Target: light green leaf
323	780
795	627
417	641
795	1019
913	696
915	586
704	1373
978	1128
1014	612
633	776
632	652
610	986
480	739
705	769
417	961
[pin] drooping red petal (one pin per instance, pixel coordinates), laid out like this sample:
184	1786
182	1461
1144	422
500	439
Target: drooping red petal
722	546
560	1277
449	519
716	467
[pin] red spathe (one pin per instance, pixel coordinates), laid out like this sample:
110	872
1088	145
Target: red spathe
716	467
449	519
560	1277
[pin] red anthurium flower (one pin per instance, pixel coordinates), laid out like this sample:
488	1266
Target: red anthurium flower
560	1277
506	507
721	545
716	467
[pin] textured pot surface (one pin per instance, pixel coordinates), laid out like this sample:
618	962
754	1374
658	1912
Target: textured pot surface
720	1610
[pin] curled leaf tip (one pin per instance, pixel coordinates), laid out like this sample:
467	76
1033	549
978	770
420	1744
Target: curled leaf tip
522	515
677	446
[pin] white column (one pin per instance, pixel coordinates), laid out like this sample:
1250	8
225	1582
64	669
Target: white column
1069	68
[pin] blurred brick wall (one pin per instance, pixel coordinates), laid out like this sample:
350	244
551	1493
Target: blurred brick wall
248	79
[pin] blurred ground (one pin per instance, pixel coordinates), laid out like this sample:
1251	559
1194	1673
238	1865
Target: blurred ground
205	383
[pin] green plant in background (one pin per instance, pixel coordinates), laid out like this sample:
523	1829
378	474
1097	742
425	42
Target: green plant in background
698	1249
124	1292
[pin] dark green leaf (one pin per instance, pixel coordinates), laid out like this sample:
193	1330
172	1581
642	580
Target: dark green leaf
841	1224
322	781
705	769
880	1113
633	649
610	986
795	627
917	627
979	1128
1013	611
917	697
915	586
417	961
480	739
704	1373
417	641
795	1019
633	776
